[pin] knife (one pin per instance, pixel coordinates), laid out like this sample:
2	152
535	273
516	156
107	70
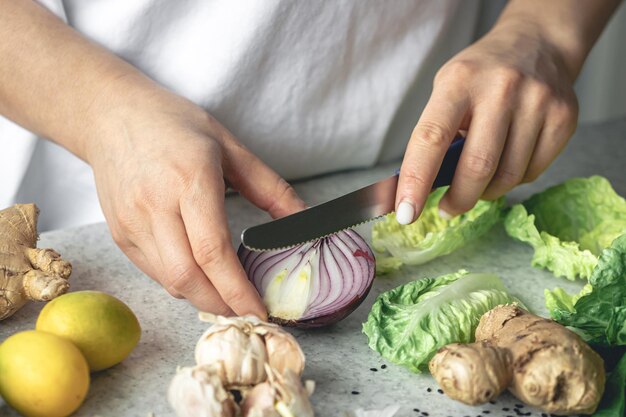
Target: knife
347	211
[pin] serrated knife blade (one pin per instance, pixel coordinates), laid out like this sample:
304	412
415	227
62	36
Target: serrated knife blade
347	211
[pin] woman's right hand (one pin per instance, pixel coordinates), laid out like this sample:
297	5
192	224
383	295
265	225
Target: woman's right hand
161	164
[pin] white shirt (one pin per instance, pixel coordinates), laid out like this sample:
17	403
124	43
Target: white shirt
310	87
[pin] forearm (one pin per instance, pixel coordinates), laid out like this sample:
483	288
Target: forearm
571	26
52	81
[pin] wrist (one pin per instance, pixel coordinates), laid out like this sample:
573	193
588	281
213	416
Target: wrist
566	51
112	109
570	29
128	105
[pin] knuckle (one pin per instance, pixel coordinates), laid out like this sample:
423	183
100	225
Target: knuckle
479	166
180	279
129	224
504	87
564	115
507	79
540	94
235	296
282	190
433	134
174	293
146	199
214	149
210	252
531	175
457	69
414	178
508	177
508	74
492	193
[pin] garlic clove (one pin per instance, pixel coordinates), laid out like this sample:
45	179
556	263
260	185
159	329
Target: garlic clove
283	351
281	396
259	401
239	355
198	392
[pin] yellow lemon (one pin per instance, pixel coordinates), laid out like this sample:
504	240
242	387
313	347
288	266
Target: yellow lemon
101	326
42	375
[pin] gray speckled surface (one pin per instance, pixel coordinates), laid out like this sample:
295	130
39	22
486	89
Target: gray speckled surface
337	357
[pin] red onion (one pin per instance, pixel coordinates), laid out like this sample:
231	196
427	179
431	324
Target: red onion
314	284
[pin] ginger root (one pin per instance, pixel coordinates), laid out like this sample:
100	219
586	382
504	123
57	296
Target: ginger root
541	362
26	272
473	373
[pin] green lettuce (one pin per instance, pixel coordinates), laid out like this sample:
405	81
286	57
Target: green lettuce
598	313
569	225
408	324
430	236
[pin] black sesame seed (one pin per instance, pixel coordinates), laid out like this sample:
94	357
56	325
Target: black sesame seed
374	369
383	366
429	389
424	413
486	411
440	391
355	392
544	415
492	402
506	409
417	410
519	405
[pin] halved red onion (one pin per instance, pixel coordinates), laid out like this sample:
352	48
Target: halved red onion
314	284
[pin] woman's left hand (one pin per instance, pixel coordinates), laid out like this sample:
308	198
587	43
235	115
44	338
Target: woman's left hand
512	92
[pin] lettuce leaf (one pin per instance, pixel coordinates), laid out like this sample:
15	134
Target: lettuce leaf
430	236
569	225
564	259
408	324
598	313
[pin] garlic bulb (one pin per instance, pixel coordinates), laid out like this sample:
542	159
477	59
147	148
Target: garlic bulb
280	396
198	392
240	347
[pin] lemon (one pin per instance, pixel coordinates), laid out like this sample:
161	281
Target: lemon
101	326
42	375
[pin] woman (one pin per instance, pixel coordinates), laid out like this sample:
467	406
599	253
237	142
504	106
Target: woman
143	91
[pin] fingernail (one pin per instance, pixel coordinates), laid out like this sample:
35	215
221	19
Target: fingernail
445	215
405	213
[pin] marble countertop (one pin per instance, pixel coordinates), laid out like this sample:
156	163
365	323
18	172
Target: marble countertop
348	374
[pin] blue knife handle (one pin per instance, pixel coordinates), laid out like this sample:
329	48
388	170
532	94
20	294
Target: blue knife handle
448	165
